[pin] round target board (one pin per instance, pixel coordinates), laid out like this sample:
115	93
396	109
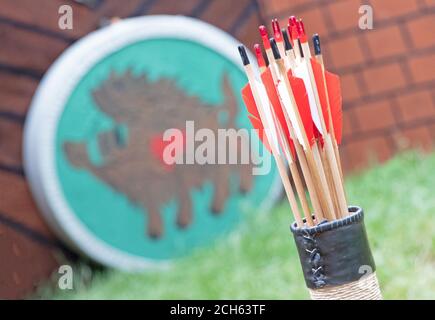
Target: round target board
94	141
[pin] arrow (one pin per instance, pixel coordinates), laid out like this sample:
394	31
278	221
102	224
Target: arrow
260	110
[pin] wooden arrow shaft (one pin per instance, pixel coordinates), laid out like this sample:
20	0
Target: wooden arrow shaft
278	160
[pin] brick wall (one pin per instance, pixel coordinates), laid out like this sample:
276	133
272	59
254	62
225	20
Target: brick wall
388	73
30	41
387	87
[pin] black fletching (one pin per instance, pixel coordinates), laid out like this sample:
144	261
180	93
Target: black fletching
300	48
287	44
243	55
316	44
275	50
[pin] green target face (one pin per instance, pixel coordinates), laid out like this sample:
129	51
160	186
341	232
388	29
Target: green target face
94	142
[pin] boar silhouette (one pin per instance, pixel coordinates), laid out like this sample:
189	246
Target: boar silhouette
132	166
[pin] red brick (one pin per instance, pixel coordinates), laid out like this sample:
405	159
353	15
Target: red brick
314	22
422	31
26	49
375	115
16	202
384	42
384	78
16	92
230	10
361	153
122	9
347	123
416	105
345	52
415	138
25	264
383	9
346	164
10	142
176	7
345	14
422	68
45	15
279	7
349	87
431	128
248	32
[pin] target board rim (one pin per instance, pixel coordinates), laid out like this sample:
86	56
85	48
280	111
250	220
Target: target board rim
49	102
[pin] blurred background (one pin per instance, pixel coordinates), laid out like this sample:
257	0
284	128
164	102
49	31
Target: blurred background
387	77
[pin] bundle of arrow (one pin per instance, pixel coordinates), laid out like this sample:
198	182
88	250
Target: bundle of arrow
295	105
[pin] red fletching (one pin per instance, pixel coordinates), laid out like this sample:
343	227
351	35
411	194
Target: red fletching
301	99
254	116
318	77
292	28
264	37
258	126
335	102
249	100
259	55
276	30
302	26
301	31
289	32
318	135
292	20
267	79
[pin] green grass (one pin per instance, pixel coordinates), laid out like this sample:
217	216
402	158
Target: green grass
259	260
